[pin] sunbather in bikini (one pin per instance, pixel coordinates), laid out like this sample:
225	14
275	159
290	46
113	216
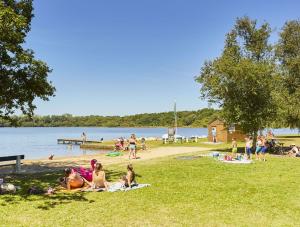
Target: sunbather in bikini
129	178
72	180
99	180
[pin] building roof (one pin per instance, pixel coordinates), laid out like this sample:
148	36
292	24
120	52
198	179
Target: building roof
216	119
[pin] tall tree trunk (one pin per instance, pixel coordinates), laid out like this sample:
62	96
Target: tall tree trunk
254	139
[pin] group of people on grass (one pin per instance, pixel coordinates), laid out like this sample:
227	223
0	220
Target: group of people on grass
74	180
263	144
130	144
261	147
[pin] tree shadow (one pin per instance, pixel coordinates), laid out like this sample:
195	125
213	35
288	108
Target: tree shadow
44	180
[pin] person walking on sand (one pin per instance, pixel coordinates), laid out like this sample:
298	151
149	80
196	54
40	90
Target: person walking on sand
132	146
143	141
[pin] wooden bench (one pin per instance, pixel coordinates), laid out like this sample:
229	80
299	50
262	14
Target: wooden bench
16	158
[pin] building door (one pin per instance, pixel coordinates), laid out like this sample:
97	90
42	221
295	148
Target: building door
214	134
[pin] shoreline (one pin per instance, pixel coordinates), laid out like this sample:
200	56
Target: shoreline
60	163
165	127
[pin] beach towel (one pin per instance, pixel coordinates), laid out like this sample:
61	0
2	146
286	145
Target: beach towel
92	189
114	154
237	161
120	187
86	173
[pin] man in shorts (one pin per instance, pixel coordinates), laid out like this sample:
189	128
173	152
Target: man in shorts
249	143
263	150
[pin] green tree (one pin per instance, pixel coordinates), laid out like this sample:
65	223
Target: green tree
241	79
22	77
288	53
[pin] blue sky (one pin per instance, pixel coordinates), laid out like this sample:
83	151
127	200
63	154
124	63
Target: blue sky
126	57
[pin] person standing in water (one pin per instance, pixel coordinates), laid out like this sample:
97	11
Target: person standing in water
83	137
132	146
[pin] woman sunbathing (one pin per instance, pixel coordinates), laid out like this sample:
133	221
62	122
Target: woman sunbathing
99	180
129	178
72	180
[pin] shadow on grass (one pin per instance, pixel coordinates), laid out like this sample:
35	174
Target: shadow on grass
290	136
43	181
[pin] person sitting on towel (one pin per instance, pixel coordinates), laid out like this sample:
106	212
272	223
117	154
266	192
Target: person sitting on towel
99	180
129	178
72	180
294	151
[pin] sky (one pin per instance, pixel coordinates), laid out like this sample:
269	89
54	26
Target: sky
137	56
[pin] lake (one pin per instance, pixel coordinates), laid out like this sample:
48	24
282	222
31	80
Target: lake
41	142
38	143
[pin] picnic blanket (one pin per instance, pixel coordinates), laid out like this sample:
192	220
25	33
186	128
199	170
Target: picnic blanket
116	187
120	187
92	189
237	161
114	154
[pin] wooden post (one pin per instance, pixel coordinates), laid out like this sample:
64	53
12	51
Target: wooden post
18	164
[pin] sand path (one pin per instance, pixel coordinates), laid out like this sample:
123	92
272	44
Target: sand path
45	165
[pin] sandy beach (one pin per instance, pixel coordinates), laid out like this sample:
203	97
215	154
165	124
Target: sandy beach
45	165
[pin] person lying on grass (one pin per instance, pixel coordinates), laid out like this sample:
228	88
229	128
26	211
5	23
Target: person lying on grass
99	180
294	151
72	180
129	178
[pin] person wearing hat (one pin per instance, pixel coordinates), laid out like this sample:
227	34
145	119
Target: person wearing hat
294	149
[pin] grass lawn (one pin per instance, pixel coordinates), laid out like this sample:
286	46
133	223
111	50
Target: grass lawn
183	192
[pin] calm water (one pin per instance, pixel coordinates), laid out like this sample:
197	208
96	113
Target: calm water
41	142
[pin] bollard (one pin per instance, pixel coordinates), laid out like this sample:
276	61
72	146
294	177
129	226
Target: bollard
18	164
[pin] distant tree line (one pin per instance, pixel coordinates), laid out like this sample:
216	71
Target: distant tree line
198	118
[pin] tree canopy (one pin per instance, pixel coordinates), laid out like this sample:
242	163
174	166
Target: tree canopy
288	54
241	80
22	77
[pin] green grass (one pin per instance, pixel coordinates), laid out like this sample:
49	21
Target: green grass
183	193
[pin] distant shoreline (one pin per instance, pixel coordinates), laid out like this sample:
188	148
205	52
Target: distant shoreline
96	127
